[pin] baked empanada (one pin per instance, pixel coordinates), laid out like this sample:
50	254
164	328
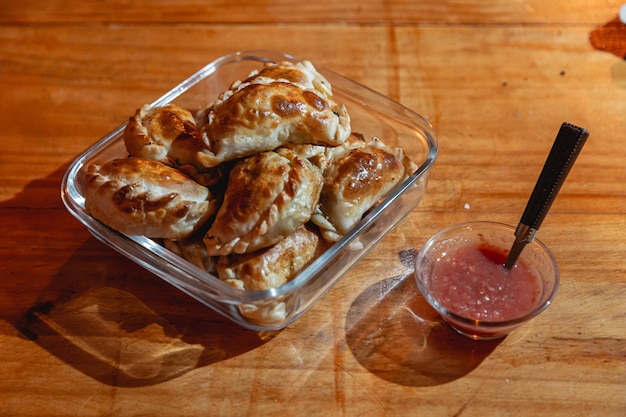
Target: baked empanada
269	195
273	266
168	134
353	183
261	117
193	250
140	196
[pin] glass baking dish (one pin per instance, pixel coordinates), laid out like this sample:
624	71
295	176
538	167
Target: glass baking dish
371	113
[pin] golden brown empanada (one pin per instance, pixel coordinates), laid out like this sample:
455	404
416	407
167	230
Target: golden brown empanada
169	134
353	183
273	266
261	117
140	196
269	195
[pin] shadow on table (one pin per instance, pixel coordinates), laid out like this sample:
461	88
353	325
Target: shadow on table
101	313
394	333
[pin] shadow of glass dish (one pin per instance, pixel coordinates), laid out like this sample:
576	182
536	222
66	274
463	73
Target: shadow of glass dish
100	313
131	332
108	333
397	336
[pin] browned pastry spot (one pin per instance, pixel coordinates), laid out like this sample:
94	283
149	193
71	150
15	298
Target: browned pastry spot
260	117
369	170
302	74
266	106
139	196
273	266
269	195
354	182
290	74
169	134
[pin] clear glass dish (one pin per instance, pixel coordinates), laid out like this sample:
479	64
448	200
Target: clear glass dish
372	114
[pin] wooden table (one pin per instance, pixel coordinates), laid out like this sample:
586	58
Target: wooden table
495	78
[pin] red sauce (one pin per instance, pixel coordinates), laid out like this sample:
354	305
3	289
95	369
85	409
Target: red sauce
472	282
495	255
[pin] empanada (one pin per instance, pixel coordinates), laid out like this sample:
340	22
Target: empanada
353	183
140	196
261	117
269	195
273	266
168	134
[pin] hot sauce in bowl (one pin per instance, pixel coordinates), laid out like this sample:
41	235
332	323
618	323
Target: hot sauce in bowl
472	283
460	272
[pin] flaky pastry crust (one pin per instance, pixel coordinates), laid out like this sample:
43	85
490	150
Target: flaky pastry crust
273	266
169	134
140	196
261	117
301	74
353	184
269	195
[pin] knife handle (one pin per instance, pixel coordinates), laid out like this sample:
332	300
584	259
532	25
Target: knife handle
567	145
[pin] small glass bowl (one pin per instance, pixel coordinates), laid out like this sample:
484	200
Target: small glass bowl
498	237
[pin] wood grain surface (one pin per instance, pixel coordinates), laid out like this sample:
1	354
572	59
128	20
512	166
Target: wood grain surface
86	332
